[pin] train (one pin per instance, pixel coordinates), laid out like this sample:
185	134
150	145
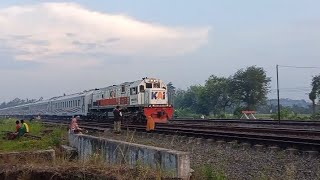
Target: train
137	100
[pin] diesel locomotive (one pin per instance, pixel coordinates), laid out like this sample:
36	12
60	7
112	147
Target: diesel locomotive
137	100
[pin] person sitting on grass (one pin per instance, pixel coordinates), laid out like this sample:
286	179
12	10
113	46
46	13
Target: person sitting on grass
74	127
15	134
24	128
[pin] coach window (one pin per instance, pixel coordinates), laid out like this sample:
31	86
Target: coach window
78	102
148	85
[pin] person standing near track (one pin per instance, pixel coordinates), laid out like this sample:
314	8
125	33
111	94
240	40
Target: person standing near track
150	124
117	120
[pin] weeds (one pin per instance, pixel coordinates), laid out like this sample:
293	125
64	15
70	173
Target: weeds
49	138
208	172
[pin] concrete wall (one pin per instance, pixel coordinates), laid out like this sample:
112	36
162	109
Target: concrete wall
175	163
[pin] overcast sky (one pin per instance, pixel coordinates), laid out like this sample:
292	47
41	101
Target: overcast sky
51	48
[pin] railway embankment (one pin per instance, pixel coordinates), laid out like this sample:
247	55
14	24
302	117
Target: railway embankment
233	160
43	155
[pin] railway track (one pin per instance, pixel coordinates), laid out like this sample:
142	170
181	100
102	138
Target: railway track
250	121
301	139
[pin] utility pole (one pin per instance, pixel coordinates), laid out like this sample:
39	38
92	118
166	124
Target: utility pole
277	67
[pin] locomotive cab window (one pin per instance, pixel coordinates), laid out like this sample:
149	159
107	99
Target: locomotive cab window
156	85
123	89
133	90
141	88
148	85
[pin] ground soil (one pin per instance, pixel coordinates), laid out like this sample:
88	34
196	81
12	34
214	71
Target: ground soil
70	172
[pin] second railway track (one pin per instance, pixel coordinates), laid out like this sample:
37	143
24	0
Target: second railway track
301	139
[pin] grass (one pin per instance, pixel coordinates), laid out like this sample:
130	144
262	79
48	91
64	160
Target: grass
48	140
209	172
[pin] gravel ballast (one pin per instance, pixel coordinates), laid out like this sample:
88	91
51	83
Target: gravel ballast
236	161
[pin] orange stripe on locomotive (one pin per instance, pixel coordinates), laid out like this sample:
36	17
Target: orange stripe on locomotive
114	101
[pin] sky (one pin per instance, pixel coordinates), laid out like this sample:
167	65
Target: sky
48	48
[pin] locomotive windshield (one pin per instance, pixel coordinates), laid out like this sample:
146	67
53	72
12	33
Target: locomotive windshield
148	85
156	85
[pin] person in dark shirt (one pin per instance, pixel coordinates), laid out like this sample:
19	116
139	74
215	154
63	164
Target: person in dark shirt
117	120
18	126
15	134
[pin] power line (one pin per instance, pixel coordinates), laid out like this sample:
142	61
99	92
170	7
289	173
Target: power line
300	67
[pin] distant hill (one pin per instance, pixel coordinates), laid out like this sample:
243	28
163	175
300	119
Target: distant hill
290	102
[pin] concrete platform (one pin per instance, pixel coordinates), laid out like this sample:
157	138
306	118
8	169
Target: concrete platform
69	152
174	163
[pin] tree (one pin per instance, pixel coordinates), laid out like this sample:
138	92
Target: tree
218	93
250	86
171	93
315	92
193	98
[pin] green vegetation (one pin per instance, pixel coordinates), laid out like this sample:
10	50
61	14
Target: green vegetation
50	137
315	92
245	90
208	172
